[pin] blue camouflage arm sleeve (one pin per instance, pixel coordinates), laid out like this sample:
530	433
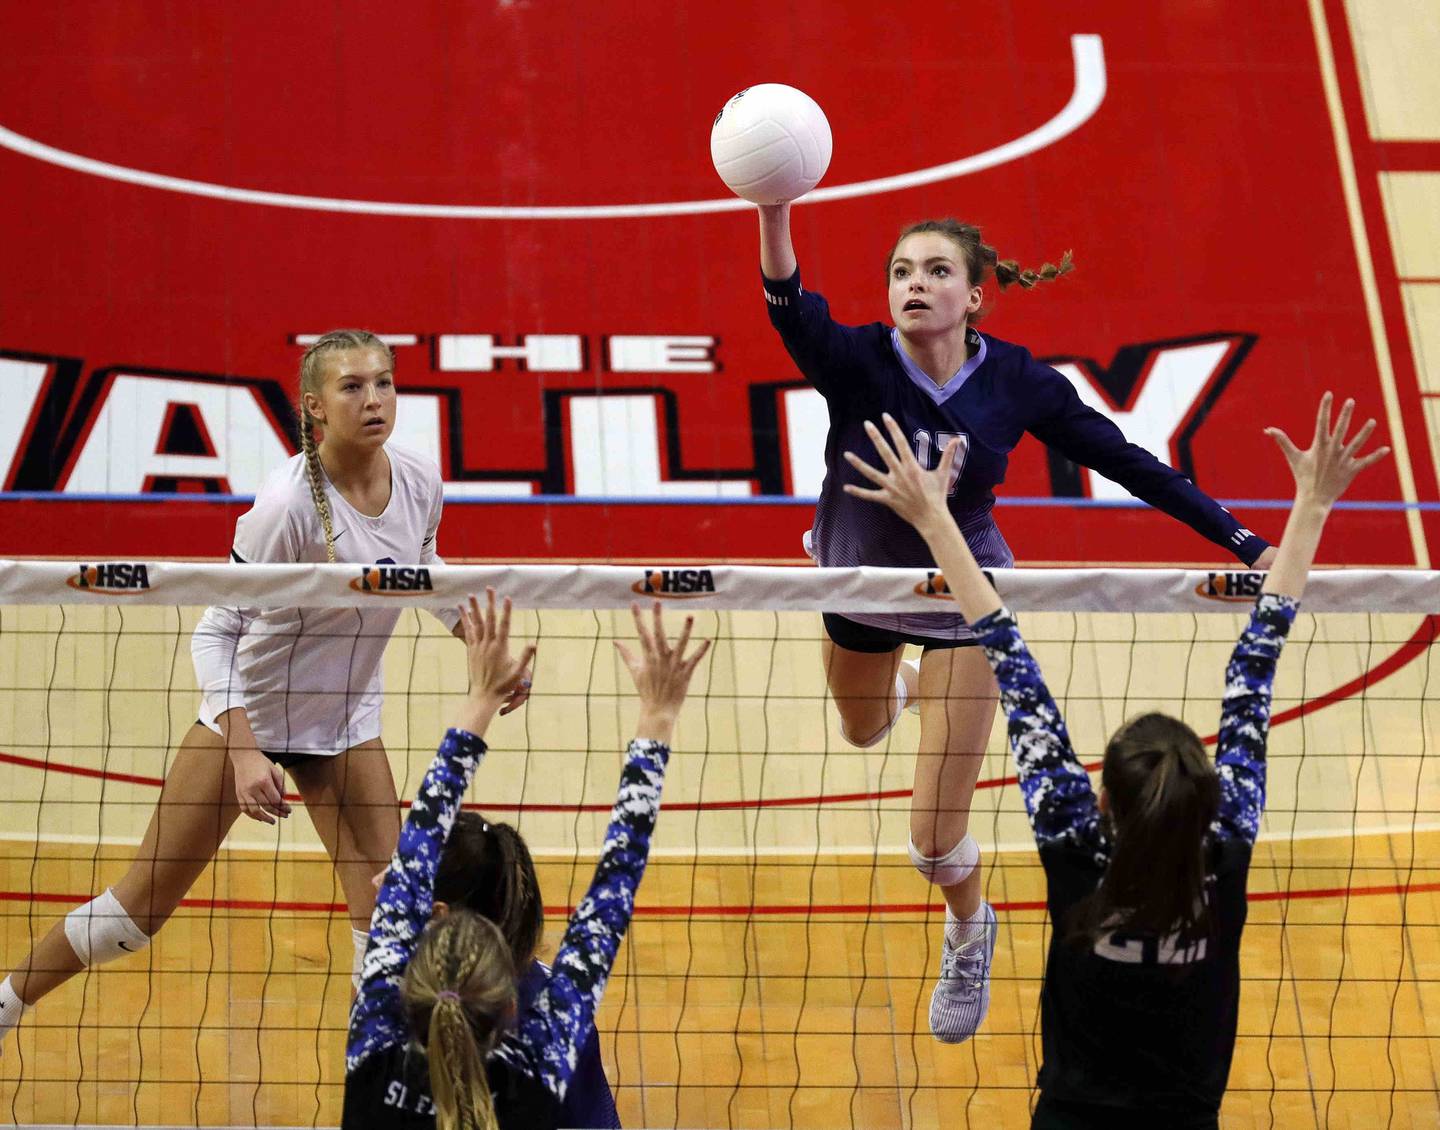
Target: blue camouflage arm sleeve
1245	718
1056	788
551	1031
407	895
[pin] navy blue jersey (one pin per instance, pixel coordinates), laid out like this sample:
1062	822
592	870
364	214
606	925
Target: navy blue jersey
1139	1022
589	1100
998	395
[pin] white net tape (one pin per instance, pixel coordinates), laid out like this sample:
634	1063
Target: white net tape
727	587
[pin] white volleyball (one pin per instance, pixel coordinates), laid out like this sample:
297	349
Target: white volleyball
770	143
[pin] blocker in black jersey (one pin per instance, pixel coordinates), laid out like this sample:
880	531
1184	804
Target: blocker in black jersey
1138	1027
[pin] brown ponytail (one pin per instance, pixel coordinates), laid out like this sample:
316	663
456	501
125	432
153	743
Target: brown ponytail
312	380
981	260
1008	272
1163	794
487	868
458	991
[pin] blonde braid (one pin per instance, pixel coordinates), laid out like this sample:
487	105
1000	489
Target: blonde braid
317	489
456	989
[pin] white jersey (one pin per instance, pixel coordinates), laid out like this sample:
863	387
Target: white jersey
310	678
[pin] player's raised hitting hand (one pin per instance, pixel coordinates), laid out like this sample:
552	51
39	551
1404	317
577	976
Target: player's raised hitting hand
1325	470
661	671
917	495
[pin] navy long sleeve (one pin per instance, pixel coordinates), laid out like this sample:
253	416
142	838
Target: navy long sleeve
1001	394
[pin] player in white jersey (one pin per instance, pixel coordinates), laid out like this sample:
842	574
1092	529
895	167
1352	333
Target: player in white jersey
282	688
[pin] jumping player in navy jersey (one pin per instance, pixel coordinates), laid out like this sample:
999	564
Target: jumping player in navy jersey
1146	883
943	380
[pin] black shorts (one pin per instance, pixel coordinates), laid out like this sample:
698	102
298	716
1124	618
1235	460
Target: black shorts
284	760
875	641
291	760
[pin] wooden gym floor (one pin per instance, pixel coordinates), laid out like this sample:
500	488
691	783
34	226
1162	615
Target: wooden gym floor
779	969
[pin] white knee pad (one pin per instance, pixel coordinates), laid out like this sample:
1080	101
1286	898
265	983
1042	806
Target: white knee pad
361	938
955	866
101	931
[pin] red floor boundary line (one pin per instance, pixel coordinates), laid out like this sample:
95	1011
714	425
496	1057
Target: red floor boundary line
1420	640
760	910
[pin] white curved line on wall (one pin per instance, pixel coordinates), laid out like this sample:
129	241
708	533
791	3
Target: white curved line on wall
1089	91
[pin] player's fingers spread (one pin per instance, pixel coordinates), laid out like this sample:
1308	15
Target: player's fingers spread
684	641
489	612
1286	444
1342	422
897	437
875	475
641	633
505	610
947	458
861	492
661	644
527	661
626	656
1360	437
1322	416
694	661
882	448
1374	457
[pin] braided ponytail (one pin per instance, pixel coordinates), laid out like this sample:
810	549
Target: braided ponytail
1008	272
312	380
312	475
981	260
457	992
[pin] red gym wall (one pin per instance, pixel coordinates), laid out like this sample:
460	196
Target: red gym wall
147	336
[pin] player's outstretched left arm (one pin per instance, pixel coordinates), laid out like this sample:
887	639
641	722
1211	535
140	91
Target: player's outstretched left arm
1323	472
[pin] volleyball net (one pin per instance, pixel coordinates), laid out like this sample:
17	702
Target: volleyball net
780	963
